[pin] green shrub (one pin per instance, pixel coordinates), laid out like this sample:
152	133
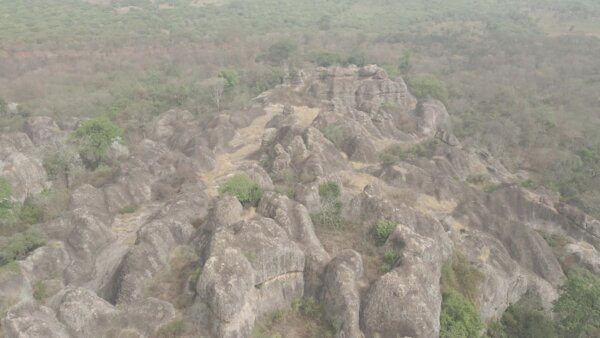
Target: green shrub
241	186
459	317
308	307
5	190
391	259
459	275
479	179
529	184
231	77
335	134
130	209
326	59
577	310
173	329
19	245
9	213
280	51
30	212
327	218
94	138
398	152
331	206
427	87
359	60
482	181
383	230
40	291
58	166
524	319
330	191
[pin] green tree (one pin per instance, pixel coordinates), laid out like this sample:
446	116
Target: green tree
428	87
231	77
324	23
94	138
524	319
578	307
280	51
245	189
405	65
326	59
459	317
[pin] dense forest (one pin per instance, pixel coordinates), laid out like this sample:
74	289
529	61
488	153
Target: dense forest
520	78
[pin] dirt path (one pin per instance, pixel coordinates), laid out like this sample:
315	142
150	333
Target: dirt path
246	142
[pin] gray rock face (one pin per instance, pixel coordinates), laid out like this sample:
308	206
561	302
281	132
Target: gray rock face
431	116
585	255
83	313
406	301
360	149
13	289
340	294
25	174
31	320
295	220
366	88
252	270
43	131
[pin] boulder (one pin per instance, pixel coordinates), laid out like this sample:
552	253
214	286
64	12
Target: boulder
431	116
43	131
25	174
406	301
340	294
31	320
253	269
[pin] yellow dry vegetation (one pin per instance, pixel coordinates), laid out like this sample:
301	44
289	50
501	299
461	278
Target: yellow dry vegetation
125	226
485	254
247	141
428	204
356	181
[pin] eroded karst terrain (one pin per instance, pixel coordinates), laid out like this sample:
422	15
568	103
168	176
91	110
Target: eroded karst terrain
193	254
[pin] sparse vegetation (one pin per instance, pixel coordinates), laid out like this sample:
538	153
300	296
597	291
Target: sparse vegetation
327	59
17	246
428	87
5	190
400	152
482	181
335	134
524	319
330	191
241	186
391	259
383	230
460	284
304	312
331	206
458	274
40	291
130	209
173	329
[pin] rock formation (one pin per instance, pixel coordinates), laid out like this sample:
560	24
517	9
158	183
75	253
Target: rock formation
187	253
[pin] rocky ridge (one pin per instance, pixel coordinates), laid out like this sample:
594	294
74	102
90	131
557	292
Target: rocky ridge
188	253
